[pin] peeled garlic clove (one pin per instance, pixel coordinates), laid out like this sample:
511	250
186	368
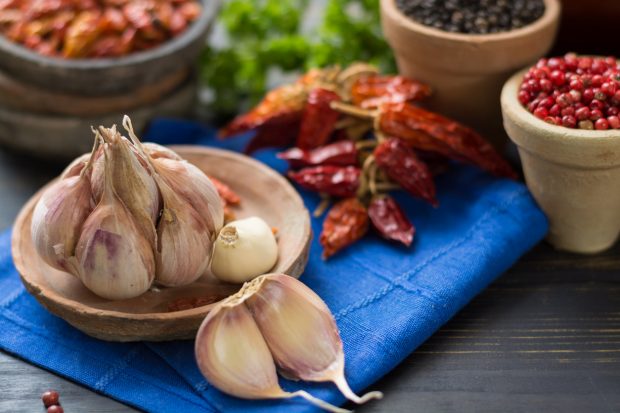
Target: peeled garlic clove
115	258
193	185
158	151
233	356
184	241
243	250
300	332
58	218
132	182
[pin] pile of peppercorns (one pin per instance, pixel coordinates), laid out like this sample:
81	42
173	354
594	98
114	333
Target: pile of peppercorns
473	16
51	401
575	92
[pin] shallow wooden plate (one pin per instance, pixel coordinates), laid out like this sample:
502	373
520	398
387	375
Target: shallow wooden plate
264	193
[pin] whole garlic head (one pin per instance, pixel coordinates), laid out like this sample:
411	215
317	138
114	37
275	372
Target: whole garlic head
244	249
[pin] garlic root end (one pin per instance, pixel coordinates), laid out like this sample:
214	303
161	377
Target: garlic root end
318	402
344	388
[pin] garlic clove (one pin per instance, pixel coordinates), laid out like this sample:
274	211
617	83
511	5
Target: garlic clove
196	188
184	241
243	250
58	218
233	356
301	332
132	181
158	151
115	258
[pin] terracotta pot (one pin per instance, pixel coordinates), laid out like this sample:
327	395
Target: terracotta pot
573	174
467	71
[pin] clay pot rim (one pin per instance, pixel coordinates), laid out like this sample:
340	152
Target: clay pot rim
194	30
543	131
551	14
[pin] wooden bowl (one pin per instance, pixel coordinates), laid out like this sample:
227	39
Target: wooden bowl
94	77
572	173
467	71
264	193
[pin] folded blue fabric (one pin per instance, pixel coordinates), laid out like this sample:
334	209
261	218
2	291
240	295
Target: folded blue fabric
387	299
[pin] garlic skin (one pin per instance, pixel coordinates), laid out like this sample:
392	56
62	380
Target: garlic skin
76	166
240	365
157	151
301	333
57	221
243	250
115	258
195	187
184	241
131	179
233	356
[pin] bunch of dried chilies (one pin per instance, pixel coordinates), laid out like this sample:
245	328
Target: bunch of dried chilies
94	28
357	135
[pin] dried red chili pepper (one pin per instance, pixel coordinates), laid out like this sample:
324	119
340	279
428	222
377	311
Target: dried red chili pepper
280	132
229	196
318	120
374	90
404	167
390	220
345	223
432	132
341	153
340	181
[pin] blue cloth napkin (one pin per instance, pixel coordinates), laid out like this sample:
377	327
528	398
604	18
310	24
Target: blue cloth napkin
387	299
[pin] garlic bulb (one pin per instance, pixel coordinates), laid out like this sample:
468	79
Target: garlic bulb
115	257
76	166
58	218
243	250
184	241
301	333
233	356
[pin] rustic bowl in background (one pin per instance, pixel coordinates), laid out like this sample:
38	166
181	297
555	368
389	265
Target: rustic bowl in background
572	173
467	71
108	76
264	193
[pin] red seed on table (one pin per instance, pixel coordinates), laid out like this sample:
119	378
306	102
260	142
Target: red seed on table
557	77
569	111
546	85
569	121
55	409
541	112
576	84
587	95
50	398
555	110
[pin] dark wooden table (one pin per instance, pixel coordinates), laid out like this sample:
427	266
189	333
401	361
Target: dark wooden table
545	337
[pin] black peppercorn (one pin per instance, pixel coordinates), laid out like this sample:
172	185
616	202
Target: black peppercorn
473	16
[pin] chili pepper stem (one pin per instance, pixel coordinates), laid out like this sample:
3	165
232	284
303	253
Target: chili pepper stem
366	144
353	110
321	207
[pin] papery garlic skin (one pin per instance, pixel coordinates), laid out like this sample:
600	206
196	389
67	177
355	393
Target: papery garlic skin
196	188
243	250
233	356
132	182
76	166
184	241
57	221
157	151
301	332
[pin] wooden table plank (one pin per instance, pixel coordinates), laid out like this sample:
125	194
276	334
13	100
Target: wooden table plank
544	337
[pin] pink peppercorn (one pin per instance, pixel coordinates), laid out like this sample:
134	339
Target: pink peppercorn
601	124
574	91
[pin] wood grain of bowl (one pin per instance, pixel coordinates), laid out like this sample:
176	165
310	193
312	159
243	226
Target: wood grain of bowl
106	76
264	193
